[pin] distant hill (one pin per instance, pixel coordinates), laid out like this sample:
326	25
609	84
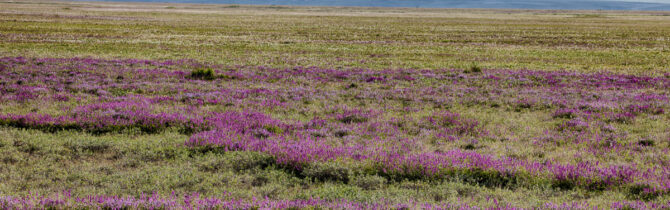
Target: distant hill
503	4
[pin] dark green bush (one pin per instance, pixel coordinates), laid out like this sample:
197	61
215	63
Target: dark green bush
217	161
474	68
259	180
327	172
272	191
488	178
27	147
469	147
93	146
274	129
563	184
206	74
369	182
159	153
646	142
638	192
354	119
249	160
214	163
341	133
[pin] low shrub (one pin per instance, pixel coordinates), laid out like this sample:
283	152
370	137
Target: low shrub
330	171
93	146
205	74
563	184
624	118
213	163
487	178
474	68
372	182
448	123
353	119
642	192
27	147
646	142
249	160
565	113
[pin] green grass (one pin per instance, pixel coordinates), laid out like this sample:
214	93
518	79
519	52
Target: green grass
122	164
627	42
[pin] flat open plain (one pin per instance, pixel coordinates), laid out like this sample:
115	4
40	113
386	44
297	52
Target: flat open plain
152	105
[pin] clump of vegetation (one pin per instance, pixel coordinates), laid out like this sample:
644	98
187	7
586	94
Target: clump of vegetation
27	147
623	118
589	16
469	146
565	113
92	146
474	68
523	104
249	160
646	142
273	129
642	192
330	171
237	161
353	119
563	184
488	178
341	133
450	123
354	116
372	182
204	74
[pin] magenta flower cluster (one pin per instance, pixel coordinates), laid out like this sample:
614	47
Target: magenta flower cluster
235	109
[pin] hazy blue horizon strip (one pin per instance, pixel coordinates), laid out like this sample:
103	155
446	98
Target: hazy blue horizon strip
487	4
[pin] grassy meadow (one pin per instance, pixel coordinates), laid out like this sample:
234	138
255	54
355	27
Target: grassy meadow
331	107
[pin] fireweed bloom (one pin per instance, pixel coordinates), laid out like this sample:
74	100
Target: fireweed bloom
239	109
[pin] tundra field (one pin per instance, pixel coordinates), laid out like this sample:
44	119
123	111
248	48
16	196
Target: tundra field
139	105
